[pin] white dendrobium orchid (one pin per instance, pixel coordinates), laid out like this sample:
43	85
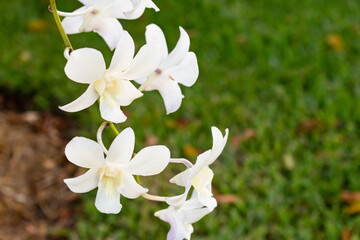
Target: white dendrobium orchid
113	175
99	16
180	66
182	217
139	7
200	175
112	85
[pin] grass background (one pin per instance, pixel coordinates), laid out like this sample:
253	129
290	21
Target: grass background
285	71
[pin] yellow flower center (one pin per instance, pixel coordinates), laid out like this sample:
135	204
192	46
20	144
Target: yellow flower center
110	180
202	179
107	88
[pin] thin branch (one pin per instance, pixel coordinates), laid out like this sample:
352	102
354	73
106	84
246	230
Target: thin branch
64	37
99	136
154	197
184	161
113	128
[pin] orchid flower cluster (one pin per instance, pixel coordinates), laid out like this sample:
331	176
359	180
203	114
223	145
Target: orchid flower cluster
115	171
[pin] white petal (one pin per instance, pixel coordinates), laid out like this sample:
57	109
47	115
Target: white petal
108	202
155	34
164	212
179	52
193	215
218	140
192	203
178	230
141	80
103	4
85	65
85	182
118	8
87	99
129	187
111	112
176	221
122	147
145	62
151	4
203	178
126	93
85	153
139	7
87	2
150	161
179	199
218	143
123	54
207	201
169	91
182	179
72	25
187	71
201	162
172	96
137	10
109	29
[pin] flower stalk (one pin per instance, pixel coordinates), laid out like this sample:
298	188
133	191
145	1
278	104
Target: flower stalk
154	197
99	136
112	126
55	14
184	161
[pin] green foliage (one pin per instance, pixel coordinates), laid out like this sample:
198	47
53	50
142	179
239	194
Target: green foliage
269	66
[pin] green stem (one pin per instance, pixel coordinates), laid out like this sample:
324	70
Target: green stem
59	25
113	128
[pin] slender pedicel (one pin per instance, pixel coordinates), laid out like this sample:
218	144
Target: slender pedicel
65	38
184	161
99	136
154	197
111	124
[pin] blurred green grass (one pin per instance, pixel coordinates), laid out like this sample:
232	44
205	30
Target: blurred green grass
269	66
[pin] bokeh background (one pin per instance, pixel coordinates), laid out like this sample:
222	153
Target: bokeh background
283	76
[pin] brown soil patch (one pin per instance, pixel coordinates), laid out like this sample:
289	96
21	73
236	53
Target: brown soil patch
34	201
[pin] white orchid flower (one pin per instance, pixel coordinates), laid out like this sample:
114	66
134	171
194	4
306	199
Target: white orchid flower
180	66
99	16
113	175
200	175
139	7
112	85
182	217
